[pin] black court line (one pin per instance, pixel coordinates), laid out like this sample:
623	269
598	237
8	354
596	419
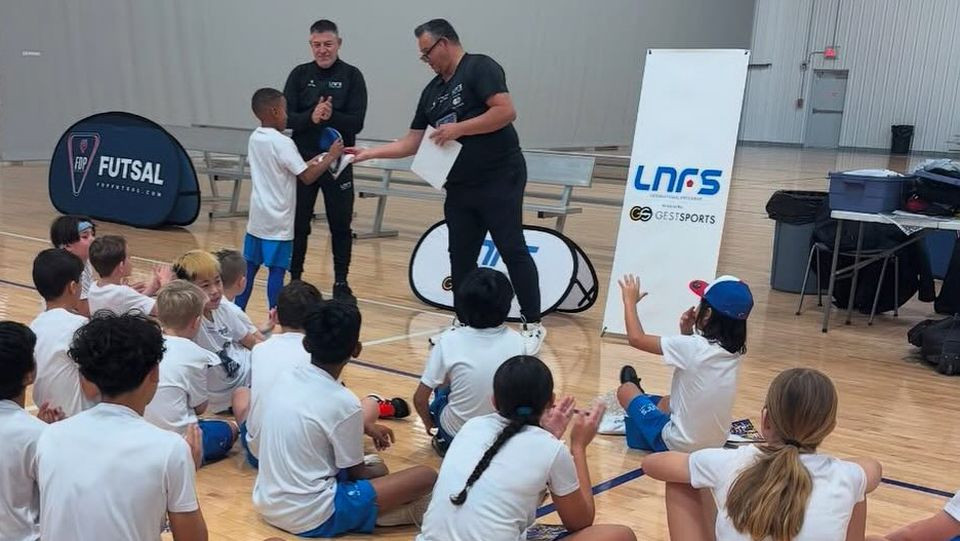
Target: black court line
16	284
605	485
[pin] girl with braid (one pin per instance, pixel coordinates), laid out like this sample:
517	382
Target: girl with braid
499	466
780	490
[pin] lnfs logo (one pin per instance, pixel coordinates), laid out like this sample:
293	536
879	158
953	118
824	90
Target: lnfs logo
670	180
81	149
491	256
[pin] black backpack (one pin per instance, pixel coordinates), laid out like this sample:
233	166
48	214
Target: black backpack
939	343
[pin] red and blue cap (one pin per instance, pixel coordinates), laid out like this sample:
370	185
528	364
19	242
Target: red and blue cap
728	295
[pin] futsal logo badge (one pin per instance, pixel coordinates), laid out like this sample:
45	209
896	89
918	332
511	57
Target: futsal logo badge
81	149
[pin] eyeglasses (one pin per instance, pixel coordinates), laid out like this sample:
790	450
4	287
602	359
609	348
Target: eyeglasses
425	57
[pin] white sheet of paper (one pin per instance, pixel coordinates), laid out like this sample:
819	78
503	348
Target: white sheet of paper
345	160
433	162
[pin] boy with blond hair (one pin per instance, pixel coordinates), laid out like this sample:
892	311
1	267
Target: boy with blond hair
182	391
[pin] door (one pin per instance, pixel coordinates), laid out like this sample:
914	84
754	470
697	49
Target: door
825	113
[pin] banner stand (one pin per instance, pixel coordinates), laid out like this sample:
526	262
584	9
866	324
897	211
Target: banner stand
568	281
675	200
123	168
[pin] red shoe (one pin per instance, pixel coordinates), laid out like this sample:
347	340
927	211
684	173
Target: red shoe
394	408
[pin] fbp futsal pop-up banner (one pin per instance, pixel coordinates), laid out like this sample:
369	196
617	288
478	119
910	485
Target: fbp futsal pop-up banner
679	179
120	167
568	282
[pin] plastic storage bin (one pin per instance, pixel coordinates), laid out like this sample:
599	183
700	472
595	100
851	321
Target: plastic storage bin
865	194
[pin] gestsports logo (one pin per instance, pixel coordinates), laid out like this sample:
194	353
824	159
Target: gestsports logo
666	179
645	214
491	256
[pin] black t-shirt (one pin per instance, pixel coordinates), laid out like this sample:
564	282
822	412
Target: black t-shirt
464	96
305	86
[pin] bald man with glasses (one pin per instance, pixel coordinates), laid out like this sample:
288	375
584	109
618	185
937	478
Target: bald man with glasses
468	102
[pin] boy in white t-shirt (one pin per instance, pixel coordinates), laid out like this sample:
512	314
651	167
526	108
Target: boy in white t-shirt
275	169
19	432
462	363
223	332
278	354
74	234
944	525
233	269
56	275
705	357
313	479
182	390
106	473
780	489
109	257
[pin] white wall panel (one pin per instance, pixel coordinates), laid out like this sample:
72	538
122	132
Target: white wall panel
904	62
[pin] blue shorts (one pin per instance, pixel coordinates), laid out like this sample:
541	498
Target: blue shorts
644	424
217	439
252	460
271	253
354	509
441	396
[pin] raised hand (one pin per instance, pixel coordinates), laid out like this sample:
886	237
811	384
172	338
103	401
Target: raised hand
687	320
630	289
50	415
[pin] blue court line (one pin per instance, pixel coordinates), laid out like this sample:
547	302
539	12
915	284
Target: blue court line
918	488
606	485
597	489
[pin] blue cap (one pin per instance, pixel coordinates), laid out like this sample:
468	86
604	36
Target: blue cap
728	295
327	138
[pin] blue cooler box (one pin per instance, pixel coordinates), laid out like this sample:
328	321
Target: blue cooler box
858	193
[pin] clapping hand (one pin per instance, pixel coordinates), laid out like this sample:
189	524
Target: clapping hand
585	425
323	110
556	419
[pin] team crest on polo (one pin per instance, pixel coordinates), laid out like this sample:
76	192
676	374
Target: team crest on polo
81	150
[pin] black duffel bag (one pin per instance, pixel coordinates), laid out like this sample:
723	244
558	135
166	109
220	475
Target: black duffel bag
939	343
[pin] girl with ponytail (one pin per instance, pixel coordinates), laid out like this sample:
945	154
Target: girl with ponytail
499	467
780	490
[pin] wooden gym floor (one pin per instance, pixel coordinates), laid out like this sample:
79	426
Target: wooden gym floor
891	407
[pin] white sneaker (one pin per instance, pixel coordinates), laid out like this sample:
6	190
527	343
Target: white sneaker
533	336
453	326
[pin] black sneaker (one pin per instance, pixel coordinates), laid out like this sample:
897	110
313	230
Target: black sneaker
629	375
439	444
342	292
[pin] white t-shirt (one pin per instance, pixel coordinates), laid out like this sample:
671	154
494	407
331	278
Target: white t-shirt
837	487
232	306
469	358
312	428
58	377
85	280
503	502
953	507
119	299
268	360
183	385
701	394
274	166
19	496
109	474
222	335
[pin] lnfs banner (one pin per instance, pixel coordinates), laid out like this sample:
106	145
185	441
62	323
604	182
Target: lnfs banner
679	179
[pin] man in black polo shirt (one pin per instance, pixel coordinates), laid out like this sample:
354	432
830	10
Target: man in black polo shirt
468	101
326	92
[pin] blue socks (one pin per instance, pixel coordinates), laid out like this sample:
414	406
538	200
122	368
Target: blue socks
244	297
274	285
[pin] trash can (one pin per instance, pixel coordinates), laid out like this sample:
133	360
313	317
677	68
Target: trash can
794	212
939	248
901	136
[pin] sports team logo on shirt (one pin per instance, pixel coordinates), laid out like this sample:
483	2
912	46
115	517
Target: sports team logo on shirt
81	149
